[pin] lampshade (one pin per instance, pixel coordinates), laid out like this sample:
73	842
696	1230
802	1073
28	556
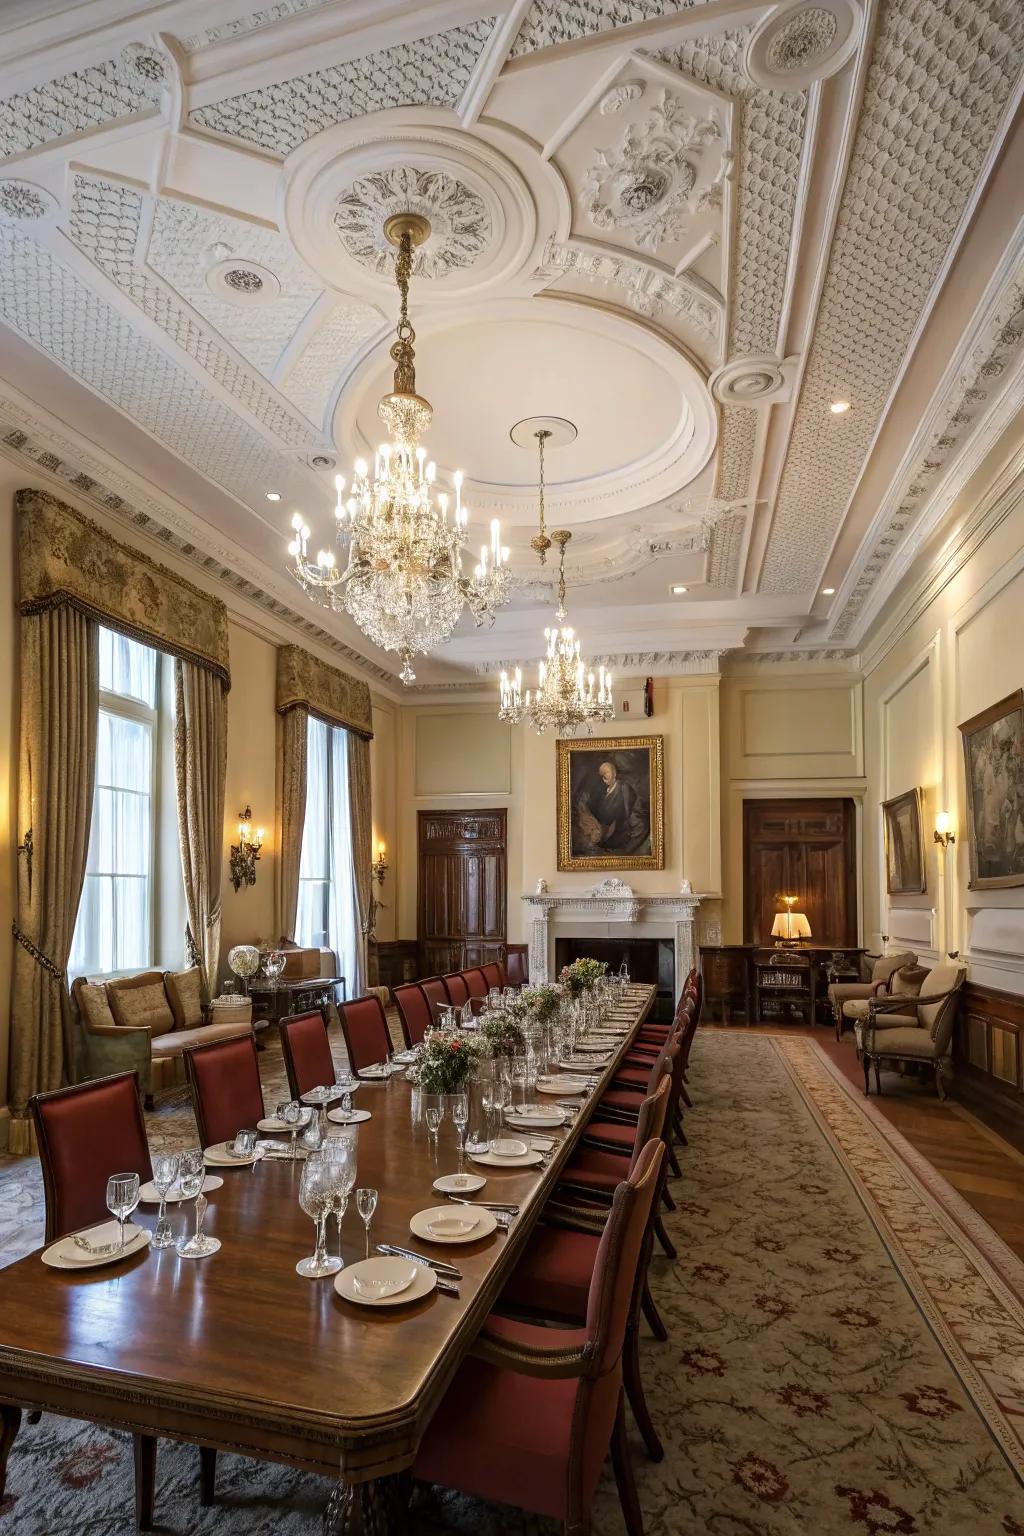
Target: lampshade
790	925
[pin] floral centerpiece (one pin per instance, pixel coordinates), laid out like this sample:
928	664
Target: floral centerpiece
445	1062
544	1001
501	1031
582	975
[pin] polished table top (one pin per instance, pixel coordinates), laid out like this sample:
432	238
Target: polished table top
237	1350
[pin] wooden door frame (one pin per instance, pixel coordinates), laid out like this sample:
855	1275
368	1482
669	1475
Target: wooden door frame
854	850
500	812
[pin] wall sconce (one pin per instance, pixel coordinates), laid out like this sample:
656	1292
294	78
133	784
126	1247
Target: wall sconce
380	865
943	833
246	852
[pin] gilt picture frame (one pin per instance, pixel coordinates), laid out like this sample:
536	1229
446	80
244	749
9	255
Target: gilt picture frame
611	803
905	873
993	742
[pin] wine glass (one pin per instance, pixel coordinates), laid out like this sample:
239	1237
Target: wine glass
366	1204
165	1171
122	1198
191	1176
460	1120
340	1152
292	1117
433	1114
316	1197
273	964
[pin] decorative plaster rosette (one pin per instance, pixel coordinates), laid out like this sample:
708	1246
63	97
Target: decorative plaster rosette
752	381
460	226
25	202
798	44
242	282
147	67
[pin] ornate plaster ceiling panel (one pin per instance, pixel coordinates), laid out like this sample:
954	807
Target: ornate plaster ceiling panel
187	241
433	71
62	315
549	22
311	380
940	78
74	103
248	21
640	287
105	224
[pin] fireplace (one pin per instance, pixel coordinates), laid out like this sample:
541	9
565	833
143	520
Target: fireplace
649	960
611	921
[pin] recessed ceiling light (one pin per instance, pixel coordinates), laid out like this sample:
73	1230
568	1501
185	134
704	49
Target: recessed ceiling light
839	407
829	591
678	591
273	495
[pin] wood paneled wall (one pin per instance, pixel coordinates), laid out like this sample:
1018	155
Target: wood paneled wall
462	898
804	848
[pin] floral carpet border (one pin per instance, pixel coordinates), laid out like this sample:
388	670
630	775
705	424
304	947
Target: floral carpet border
967	1283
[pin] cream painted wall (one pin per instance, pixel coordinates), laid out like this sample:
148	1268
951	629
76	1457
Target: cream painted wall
955	655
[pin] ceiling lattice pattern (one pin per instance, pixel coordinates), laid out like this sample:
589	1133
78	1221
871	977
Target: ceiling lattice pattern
433	71
940	78
83	99
311	383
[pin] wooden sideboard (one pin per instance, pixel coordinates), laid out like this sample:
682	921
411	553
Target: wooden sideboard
737	977
988	1053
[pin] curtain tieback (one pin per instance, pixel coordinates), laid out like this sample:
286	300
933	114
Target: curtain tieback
37	954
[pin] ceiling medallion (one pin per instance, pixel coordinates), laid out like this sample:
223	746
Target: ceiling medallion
668	166
403	583
460	225
242	282
146	66
754	381
24	201
800	43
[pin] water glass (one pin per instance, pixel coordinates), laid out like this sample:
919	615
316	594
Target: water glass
122	1198
191	1176
291	1114
460	1120
165	1171
433	1114
244	1144
366	1204
316	1197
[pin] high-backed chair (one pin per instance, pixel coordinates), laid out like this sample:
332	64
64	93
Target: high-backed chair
516	968
476	982
924	1035
85	1134
495	975
306	1048
433	990
532	1412
365	1027
455	986
879	982
224	1079
413	1012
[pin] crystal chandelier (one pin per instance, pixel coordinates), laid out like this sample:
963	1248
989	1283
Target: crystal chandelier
567	695
403	581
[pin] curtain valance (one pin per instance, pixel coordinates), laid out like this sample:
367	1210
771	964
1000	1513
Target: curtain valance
305	682
66	560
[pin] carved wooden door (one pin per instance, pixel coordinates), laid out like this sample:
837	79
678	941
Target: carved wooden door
806	849
462	901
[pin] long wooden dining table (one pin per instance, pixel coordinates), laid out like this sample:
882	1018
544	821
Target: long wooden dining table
238	1353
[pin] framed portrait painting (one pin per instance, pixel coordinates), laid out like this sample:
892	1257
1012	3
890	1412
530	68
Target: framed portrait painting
904	847
611	803
994	770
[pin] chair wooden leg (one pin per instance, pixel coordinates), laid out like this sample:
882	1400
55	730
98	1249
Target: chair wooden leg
145	1480
10	1423
624	1479
673	1163
867	1075
663	1238
939	1085
685	1096
34	1416
878	1078
653	1316
667	1199
635	1392
207	1475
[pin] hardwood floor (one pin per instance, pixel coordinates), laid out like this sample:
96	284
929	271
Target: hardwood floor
979	1163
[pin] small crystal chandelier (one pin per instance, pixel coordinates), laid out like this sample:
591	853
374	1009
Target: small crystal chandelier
567	695
403	581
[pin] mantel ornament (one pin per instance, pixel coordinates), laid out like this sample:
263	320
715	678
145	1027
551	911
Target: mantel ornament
613	886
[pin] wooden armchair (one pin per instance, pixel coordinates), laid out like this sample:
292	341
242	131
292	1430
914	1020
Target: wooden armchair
928	1039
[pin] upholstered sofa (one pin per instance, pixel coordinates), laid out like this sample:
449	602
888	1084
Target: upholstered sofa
143	1023
883	970
907	1029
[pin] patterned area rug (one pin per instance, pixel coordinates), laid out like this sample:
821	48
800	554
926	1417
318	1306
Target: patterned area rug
846	1350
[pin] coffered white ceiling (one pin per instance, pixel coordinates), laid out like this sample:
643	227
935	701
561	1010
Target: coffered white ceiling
687	227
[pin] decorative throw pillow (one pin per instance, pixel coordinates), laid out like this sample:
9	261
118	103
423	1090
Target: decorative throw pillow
141	999
93	1005
908	980
185	995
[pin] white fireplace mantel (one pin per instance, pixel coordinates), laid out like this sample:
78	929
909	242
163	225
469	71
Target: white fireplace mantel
611	904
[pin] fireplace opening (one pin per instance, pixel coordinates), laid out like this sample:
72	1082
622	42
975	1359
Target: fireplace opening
649	960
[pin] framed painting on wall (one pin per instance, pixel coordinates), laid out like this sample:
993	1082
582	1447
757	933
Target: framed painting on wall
611	803
994	770
904	846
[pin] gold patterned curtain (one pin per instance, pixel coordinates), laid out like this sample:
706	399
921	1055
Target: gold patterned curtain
362	846
57	771
292	729
200	766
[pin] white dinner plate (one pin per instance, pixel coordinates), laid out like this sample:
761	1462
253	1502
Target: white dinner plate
325	1094
149	1195
220	1156
459	1183
535	1115
528	1160
375	1073
348	1116
584	1064
277	1127
452	1224
64	1255
422	1285
565	1084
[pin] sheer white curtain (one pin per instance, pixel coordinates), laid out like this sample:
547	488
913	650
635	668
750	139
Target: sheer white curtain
327	897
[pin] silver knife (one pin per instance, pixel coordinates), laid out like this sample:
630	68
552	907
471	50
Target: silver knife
392	1250
487	1205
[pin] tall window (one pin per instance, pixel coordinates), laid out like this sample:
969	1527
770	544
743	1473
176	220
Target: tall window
114	931
327	895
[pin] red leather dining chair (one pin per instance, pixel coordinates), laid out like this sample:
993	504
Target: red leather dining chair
433	990
306	1048
494	974
413	1012
515	969
224	1079
455	986
365	1027
85	1134
532	1412
476	986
